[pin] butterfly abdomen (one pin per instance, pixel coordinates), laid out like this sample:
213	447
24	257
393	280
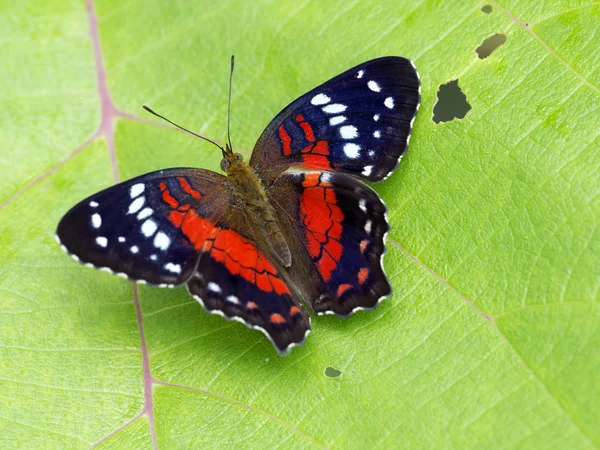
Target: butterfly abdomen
251	197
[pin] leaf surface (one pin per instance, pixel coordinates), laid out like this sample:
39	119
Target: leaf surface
491	337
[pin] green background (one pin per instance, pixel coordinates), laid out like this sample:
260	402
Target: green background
492	336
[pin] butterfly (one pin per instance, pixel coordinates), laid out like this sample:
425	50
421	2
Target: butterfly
295	225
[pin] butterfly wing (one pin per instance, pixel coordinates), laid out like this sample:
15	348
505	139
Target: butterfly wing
336	225
237	280
177	226
359	122
149	228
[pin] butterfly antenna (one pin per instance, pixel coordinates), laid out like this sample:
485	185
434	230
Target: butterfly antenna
184	129
229	105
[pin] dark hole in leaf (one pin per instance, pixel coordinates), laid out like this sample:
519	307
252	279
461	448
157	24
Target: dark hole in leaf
487	9
332	373
451	104
489	45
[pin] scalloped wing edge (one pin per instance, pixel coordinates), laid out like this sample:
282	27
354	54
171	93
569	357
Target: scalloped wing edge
239	319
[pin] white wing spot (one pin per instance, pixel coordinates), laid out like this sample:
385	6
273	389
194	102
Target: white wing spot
134	249
93	204
389	102
368	226
149	228
320	99
367	170
96	220
362	204
214	287
101	241
371	152
121	239
335	120
233	299
334	108
162	241
175	268
136	205
377	134
153	257
376	117
325	177
360	74
136	190
351	150
348	132
146	212
374	86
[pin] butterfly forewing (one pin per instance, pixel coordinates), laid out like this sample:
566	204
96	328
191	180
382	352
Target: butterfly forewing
149	228
359	122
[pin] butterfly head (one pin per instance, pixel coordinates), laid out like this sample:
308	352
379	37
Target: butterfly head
230	159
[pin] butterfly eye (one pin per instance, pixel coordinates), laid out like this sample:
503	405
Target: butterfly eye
238	157
224	165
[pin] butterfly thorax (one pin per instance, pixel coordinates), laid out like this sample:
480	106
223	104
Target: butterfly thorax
249	195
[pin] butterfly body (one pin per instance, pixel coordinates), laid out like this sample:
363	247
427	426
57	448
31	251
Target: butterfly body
250	197
295	225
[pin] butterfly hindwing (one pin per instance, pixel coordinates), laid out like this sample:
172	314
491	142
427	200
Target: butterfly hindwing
359	122
149	228
338	226
238	281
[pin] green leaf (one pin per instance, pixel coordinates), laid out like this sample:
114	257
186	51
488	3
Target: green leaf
491	337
